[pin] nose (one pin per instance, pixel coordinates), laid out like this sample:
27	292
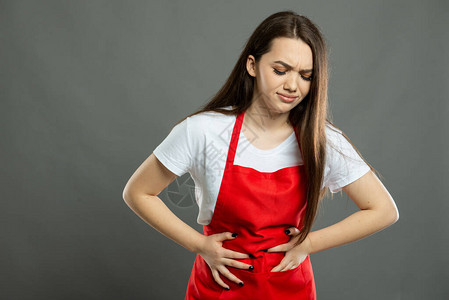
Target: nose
291	83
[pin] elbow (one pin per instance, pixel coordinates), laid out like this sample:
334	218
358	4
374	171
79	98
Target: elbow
126	195
131	196
396	215
130	193
387	215
392	215
394	212
130	199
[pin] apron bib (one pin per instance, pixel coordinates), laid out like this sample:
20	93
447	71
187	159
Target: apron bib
258	206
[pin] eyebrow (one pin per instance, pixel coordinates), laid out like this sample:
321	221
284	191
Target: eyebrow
290	67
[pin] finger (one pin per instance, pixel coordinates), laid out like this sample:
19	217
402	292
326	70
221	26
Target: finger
237	264
288	267
283	265
293	231
278	267
234	254
225	236
286	246
217	279
280	248
225	272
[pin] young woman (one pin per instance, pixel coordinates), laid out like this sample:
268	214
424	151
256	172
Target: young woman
262	153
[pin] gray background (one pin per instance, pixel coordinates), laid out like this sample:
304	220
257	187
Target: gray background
90	88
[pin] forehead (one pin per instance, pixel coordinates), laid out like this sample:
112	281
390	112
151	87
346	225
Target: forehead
294	52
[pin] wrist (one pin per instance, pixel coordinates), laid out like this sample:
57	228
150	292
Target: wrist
198	245
305	246
308	243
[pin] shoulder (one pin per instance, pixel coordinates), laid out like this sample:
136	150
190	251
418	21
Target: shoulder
330	128
334	136
208	122
343	162
209	116
339	149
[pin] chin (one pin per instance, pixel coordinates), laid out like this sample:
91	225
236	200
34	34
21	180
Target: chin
281	108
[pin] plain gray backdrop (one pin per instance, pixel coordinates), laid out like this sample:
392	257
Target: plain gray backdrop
89	88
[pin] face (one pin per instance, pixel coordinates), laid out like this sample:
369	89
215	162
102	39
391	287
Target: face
282	75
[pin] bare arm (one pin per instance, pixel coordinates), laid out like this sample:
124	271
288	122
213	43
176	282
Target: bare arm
140	194
377	211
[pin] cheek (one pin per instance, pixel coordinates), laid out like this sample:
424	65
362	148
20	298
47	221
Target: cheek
268	80
262	81
305	88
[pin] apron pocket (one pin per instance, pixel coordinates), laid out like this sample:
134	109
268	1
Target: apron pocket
255	285
204	276
284	273
291	281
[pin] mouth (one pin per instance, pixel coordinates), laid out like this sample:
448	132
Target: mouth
287	98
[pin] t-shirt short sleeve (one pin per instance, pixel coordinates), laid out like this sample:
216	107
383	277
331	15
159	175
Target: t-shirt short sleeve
174	152
343	164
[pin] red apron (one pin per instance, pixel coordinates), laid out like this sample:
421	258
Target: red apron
258	206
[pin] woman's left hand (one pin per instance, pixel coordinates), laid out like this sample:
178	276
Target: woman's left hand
295	253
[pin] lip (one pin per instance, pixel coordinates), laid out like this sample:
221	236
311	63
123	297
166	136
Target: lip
287	98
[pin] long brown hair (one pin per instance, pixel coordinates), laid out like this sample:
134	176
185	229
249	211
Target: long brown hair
308	117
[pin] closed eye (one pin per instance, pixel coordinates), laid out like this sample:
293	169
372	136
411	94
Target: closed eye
307	78
277	72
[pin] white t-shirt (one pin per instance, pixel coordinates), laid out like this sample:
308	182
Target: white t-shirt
200	143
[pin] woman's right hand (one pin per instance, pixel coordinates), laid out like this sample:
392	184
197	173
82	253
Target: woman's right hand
218	258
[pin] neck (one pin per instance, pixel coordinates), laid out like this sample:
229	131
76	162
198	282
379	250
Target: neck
259	117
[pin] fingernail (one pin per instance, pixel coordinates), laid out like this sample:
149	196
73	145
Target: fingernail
251	256
234	234
227	289
251	268
241	283
264	250
287	231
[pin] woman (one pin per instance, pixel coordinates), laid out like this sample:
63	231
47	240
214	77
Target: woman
262	153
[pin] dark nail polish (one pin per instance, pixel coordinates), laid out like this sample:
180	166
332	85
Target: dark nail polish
241	283
227	289
287	231
234	234
251	256
264	250
251	268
